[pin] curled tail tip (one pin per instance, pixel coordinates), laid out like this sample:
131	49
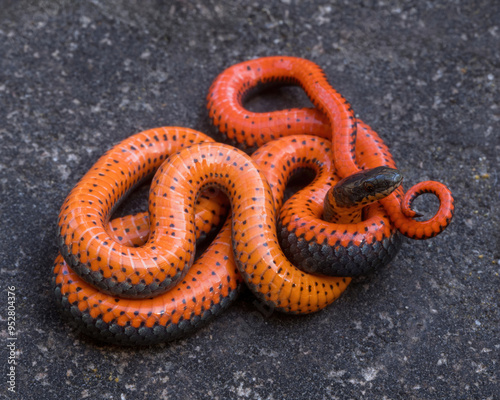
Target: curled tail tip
422	230
409	212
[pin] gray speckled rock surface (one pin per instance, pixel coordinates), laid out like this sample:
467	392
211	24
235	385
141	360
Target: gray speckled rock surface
77	77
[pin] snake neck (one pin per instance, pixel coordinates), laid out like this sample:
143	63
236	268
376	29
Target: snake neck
333	212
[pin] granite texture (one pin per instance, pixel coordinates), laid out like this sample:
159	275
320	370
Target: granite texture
77	77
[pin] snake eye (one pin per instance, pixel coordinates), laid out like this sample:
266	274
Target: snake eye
369	187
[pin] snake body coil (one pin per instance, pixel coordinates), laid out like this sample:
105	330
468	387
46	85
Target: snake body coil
331	118
136	280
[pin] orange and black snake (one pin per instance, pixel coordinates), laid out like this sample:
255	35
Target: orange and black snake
135	280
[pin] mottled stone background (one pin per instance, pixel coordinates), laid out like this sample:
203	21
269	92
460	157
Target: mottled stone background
77	77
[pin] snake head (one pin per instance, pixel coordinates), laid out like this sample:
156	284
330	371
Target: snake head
366	186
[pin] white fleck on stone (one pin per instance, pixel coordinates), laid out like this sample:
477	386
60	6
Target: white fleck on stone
336	374
85	21
442	361
64	171
241	391
437	102
41	376
369	374
438	75
125	102
106	41
480	369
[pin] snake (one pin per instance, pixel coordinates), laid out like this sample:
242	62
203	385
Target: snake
332	117
156	291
